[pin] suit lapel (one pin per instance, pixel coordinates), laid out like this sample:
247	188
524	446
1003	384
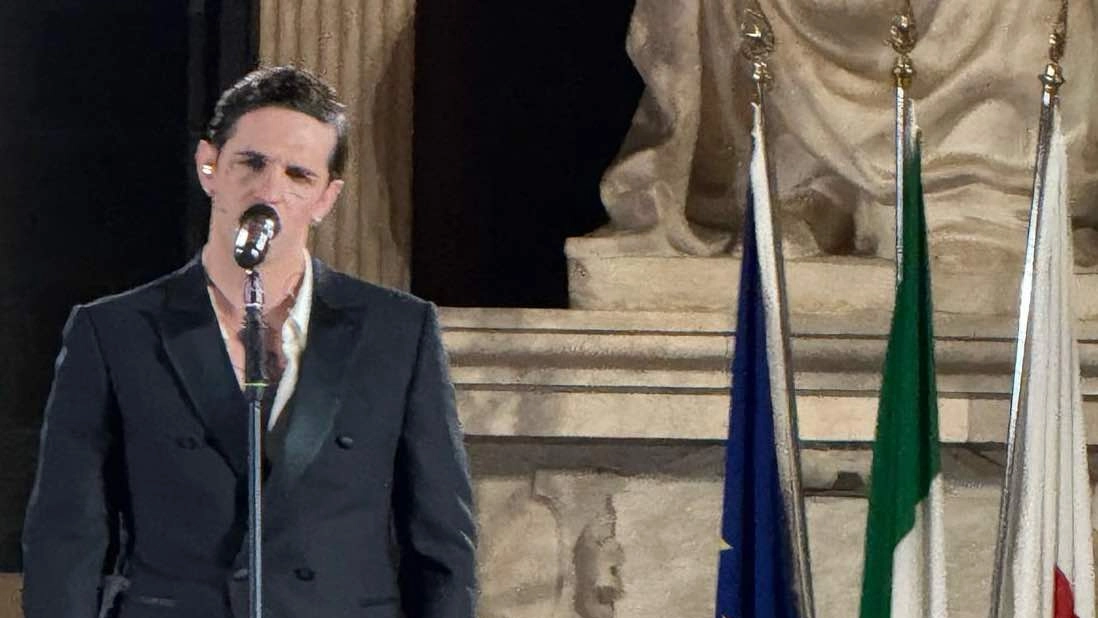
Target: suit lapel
194	347
335	328
192	343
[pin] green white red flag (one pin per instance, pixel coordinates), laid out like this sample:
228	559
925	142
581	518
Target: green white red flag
904	572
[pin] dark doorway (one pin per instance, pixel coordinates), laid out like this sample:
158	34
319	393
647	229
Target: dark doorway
100	106
519	108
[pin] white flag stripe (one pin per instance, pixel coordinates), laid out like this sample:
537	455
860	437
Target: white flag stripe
918	566
782	401
1075	557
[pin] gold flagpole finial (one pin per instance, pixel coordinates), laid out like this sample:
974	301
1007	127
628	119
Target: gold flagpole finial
1058	39
904	34
1053	77
758	42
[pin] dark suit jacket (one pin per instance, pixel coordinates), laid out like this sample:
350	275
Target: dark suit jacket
146	423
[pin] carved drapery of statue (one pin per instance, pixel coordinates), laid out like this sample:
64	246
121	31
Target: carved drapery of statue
678	183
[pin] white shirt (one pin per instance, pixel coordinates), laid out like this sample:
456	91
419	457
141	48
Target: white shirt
295	331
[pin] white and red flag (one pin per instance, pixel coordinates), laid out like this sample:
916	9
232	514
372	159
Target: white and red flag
1044	564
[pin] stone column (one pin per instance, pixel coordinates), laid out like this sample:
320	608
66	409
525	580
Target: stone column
365	48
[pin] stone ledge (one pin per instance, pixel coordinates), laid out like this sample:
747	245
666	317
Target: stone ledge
664	376
603	279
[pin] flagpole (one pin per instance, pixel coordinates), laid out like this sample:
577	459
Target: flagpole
1051	80
904	36
904	566
759	44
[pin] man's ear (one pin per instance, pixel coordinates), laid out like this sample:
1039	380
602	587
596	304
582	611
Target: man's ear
205	164
327	200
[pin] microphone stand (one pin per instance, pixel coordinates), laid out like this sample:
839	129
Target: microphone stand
255	385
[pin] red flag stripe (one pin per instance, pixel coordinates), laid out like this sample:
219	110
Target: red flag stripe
1063	601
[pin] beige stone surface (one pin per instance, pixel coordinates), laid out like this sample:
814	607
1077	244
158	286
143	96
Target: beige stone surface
548	539
365	48
836	535
602	277
581	501
667	526
670	530
664	375
687	416
596	452
519	557
10	586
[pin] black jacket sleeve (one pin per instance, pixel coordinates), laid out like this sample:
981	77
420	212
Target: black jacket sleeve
433	509
67	529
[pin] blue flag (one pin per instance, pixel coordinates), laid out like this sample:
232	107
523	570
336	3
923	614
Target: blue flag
755	577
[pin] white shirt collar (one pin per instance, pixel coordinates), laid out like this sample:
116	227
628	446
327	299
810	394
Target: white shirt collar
298	320
295	331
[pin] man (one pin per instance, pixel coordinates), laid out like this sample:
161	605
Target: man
143	463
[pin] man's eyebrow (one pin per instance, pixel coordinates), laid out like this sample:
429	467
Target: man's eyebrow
302	170
251	154
292	167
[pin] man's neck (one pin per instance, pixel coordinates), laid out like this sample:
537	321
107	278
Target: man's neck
281	278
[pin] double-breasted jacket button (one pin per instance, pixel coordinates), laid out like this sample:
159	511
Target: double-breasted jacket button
345	442
186	442
305	574
240	575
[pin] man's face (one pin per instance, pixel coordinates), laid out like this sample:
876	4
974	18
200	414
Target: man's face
275	156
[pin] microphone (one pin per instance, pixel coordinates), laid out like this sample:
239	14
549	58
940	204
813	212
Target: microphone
258	226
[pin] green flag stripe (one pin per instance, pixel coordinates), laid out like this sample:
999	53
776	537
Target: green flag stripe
905	453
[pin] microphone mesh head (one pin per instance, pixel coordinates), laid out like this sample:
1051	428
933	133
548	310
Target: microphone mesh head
258	226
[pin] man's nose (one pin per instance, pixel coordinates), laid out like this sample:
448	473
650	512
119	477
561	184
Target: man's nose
271	186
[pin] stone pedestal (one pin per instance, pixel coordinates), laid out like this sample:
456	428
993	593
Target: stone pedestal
605	275
595	439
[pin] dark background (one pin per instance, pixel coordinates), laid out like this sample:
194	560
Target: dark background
518	111
519	108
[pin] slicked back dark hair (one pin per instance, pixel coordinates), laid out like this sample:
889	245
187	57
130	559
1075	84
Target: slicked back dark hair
288	87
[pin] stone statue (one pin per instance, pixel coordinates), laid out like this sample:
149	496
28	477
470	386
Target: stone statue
678	184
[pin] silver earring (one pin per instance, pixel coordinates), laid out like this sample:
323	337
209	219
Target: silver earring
207	169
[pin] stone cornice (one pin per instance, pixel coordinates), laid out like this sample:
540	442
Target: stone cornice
654	375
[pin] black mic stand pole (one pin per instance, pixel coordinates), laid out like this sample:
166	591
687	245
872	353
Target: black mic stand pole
255	384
